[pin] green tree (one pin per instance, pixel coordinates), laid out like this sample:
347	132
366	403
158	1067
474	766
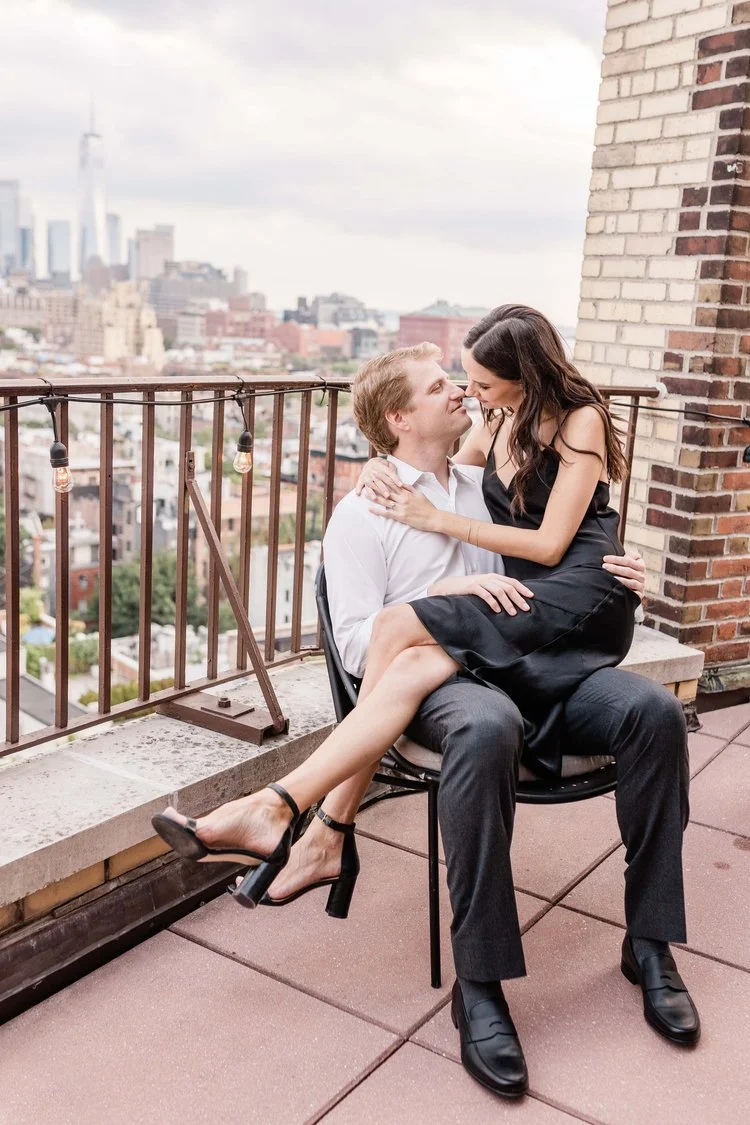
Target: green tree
122	693
126	595
30	603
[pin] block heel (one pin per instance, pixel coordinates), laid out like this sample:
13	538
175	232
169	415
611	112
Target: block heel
342	885
250	891
340	897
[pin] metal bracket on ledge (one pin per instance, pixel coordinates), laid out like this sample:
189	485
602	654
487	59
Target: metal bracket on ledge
224	715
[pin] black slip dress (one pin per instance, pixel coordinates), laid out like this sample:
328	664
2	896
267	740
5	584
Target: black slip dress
580	620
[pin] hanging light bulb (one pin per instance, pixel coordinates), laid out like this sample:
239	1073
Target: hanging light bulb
62	477
243	458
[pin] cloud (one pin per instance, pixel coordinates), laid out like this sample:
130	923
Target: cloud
338	33
461	133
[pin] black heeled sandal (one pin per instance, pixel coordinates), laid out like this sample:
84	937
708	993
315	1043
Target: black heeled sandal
342	885
183	838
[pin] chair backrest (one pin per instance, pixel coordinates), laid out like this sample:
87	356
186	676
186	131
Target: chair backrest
344	688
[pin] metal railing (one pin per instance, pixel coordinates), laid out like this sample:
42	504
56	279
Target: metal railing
192	392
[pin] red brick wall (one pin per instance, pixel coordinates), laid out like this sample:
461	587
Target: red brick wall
704	503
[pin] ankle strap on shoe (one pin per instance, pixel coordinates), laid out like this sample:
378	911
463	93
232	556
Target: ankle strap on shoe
285	797
336	825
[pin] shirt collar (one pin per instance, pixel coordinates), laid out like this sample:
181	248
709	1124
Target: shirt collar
410	475
407	473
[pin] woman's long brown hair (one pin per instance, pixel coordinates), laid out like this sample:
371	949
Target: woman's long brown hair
518	343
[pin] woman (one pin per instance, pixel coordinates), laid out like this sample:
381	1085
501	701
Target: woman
549	448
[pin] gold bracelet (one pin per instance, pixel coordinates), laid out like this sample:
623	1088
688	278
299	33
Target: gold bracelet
468	534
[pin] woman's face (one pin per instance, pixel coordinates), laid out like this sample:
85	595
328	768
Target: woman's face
487	388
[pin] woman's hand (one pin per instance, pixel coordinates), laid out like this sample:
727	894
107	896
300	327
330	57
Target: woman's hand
378	480
412	508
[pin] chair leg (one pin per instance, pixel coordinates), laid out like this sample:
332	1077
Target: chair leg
433	884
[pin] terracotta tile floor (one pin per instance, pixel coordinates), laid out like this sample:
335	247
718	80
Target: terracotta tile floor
285	1017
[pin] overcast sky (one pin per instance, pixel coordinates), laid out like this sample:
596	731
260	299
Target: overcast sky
400	150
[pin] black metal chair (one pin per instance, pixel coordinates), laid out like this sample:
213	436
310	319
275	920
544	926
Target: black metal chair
411	767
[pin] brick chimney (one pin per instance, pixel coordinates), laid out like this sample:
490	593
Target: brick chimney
665	296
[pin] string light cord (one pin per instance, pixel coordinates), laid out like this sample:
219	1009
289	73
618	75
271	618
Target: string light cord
100	400
688	412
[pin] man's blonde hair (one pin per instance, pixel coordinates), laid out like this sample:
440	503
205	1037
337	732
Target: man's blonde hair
382	385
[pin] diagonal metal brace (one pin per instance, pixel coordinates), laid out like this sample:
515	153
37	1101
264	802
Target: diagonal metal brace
202	708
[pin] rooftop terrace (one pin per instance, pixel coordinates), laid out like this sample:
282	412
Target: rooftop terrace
289	1016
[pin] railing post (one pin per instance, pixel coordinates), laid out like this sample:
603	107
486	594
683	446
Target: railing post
146	547
106	454
12	575
62	587
273	526
217	457
300	519
246	518
183	543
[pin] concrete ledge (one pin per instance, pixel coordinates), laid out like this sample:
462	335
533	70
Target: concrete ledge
76	818
662	658
64	811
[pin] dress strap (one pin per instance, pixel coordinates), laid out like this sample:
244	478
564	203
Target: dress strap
494	436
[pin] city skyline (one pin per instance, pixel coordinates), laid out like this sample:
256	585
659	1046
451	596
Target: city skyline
327	148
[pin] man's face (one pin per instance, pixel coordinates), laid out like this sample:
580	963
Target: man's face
437	412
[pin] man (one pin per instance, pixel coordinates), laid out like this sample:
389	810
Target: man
405	404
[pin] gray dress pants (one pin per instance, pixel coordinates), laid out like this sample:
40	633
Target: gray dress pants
479	732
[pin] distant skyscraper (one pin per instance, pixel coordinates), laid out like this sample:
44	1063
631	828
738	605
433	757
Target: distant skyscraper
91	207
240	281
26	247
114	240
58	249
10	223
153	249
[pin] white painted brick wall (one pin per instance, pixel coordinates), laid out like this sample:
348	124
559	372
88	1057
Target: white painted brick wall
673	267
668	78
662	105
667	54
696	173
644	290
622	267
645	34
673	7
698	23
621	15
633	177
647	130
652	198
664	152
690	124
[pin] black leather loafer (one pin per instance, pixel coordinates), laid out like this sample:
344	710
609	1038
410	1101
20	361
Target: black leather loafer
490	1048
666	1001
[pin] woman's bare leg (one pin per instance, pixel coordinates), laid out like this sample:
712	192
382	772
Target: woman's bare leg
317	855
357	743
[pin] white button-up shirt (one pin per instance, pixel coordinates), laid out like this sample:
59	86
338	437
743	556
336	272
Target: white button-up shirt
373	562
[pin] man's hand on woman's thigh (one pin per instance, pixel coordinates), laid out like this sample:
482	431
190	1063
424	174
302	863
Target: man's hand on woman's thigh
501	592
630	569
